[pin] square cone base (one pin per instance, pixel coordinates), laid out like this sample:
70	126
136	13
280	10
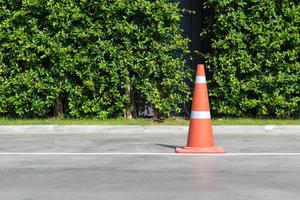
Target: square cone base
200	150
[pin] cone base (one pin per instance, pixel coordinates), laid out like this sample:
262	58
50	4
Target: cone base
200	150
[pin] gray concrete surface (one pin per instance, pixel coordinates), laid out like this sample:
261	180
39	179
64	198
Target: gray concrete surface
56	129
138	177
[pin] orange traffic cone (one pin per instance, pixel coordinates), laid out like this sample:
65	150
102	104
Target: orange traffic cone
200	138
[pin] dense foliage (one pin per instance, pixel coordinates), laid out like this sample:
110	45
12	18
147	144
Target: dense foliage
85	54
254	60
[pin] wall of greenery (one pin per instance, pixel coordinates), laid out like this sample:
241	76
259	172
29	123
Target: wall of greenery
110	58
254	59
89	58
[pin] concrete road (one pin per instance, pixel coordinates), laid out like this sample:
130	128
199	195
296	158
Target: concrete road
245	172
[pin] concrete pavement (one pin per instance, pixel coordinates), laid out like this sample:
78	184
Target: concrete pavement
235	139
57	129
146	176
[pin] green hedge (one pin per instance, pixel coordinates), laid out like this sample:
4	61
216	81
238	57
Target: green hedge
84	54
254	58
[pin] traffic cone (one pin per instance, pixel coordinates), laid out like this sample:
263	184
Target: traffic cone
200	137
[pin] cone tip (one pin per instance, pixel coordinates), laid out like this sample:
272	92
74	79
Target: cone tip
200	70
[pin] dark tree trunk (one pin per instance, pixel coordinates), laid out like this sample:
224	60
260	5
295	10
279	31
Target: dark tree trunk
58	107
130	111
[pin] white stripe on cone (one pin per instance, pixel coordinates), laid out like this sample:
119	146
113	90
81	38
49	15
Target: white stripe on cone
200	79
200	115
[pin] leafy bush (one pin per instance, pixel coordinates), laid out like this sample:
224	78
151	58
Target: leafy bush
85	54
254	57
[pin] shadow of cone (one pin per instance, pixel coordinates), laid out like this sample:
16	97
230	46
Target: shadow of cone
200	137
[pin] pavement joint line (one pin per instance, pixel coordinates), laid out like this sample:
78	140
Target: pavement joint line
148	154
